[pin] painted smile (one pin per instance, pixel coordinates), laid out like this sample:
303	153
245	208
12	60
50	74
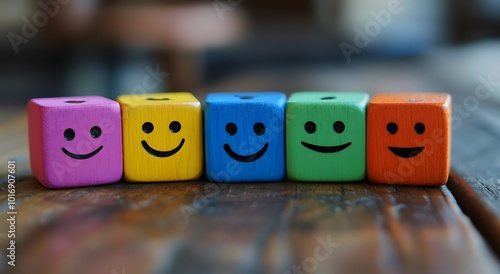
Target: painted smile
406	152
81	156
246	159
326	149
159	153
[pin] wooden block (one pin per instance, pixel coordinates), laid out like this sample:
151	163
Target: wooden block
163	139
409	136
75	141
245	136
325	136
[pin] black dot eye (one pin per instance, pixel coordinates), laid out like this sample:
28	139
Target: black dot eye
175	127
95	132
69	134
419	128
231	128
310	127
259	128
147	127
328	98
392	128
338	127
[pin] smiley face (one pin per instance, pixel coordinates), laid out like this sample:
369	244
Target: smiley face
338	127
69	135
325	136
406	152
148	128
245	136
408	138
259	129
76	141
163	137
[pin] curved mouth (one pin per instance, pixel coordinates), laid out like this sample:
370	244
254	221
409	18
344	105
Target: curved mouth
326	149
81	156
246	159
406	152
159	153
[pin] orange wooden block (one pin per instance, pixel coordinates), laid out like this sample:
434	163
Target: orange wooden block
409	138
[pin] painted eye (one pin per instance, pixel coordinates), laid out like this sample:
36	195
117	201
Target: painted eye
338	127
310	127
95	132
231	128
69	134
175	127
259	128
419	128
147	127
392	128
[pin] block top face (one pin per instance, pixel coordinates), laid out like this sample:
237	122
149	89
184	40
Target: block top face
329	97
73	102
438	99
171	98
277	98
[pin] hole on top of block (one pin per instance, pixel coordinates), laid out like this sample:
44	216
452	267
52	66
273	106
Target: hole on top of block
158	99
415	100
246	97
328	98
74	101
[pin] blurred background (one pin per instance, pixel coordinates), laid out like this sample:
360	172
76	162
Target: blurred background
112	47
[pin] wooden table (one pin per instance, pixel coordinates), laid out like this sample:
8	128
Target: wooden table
287	227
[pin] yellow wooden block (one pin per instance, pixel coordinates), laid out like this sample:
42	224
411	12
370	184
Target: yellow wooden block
162	137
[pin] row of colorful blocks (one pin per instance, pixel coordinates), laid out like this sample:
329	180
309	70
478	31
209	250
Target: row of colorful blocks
330	136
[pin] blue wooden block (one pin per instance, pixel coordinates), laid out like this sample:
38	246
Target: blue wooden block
245	136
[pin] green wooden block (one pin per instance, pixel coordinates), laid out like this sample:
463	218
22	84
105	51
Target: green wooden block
326	136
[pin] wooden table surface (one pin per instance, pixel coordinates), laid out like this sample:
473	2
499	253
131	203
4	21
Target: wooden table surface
287	227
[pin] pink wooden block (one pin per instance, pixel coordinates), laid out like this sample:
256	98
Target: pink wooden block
75	141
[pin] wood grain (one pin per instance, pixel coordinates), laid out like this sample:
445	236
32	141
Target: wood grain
269	228
476	164
244	228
